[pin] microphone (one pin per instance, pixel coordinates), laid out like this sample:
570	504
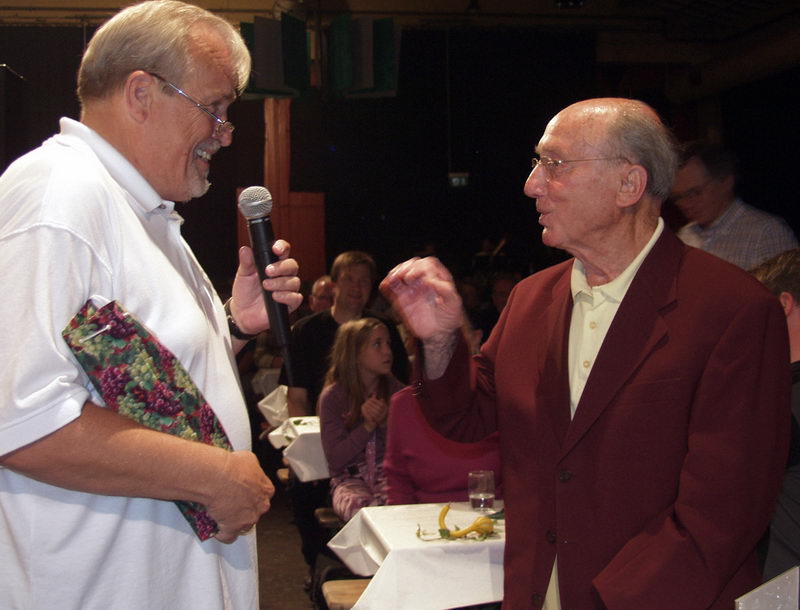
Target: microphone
255	204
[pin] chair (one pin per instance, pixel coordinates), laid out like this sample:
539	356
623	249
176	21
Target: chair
327	518
343	594
283	476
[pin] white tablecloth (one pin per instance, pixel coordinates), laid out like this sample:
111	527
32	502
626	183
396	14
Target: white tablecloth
265	380
303	447
413	574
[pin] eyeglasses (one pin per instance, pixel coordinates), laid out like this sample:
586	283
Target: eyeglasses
221	126
555	167
691	193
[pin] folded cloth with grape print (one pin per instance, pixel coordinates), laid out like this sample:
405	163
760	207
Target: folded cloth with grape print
141	379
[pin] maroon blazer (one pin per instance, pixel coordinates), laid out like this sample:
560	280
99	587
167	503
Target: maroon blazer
655	494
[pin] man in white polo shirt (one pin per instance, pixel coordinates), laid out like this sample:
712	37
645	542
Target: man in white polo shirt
86	512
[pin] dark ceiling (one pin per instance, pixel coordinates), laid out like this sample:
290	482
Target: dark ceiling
690	20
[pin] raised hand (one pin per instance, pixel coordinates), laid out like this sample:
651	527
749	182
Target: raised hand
423	293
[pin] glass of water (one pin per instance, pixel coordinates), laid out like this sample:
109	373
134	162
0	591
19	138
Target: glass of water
480	484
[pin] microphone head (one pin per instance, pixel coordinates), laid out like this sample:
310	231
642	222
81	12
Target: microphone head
255	202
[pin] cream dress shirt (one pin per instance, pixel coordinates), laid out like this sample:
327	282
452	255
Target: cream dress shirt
593	311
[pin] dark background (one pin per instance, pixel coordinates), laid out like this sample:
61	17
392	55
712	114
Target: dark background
382	163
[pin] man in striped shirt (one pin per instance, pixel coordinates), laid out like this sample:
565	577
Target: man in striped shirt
720	222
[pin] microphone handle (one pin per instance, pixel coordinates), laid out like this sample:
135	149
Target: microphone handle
261	238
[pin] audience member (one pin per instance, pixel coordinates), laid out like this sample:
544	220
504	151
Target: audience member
781	276
353	409
471	295
720	222
640	390
268	353
87	518
423	466
501	286
321	296
353	276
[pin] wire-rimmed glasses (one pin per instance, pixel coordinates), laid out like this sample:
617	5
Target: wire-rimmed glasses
221	125
554	167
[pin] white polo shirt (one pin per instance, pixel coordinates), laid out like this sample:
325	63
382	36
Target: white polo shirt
77	221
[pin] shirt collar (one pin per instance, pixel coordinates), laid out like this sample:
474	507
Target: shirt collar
615	289
732	211
120	169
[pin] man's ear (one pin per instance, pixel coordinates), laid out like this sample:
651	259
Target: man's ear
787	302
632	186
138	92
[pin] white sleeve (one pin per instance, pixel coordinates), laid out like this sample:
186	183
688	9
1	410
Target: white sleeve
49	272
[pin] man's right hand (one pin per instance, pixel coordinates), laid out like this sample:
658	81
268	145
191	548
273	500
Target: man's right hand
241	495
424	294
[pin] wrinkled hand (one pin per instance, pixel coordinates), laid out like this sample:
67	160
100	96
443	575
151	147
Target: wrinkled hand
375	412
241	495
247	306
423	293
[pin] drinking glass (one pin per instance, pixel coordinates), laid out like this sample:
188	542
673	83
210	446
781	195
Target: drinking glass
480	484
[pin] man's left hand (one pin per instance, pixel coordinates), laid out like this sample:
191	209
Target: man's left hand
247	304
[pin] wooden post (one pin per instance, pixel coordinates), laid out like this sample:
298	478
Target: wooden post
298	218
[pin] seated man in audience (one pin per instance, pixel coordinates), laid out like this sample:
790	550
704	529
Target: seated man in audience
501	286
321	296
720	222
781	276
268	354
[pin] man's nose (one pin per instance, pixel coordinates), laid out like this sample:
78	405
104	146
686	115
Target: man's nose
225	137
536	184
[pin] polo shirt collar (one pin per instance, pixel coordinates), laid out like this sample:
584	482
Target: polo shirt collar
120	169
615	289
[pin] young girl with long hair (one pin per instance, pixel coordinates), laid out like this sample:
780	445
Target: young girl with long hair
353	409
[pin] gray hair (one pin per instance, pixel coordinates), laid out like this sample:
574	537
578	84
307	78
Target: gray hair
156	36
638	135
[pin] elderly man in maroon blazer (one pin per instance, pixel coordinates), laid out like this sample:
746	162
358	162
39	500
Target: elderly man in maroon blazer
641	389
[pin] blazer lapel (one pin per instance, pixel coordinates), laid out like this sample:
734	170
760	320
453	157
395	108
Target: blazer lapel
553	359
637	329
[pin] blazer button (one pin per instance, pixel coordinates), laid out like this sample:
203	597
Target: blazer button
550	536
564	476
537	600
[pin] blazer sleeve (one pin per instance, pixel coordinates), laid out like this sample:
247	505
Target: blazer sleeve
460	405
737	442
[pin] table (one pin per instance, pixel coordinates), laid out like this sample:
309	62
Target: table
302	444
409	573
